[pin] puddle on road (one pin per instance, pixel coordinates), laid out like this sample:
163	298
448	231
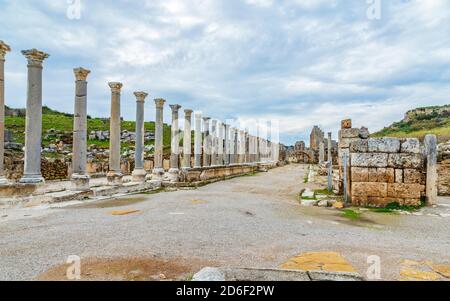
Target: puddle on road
112	203
129	269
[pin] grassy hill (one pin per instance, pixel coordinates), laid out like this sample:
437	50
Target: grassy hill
63	122
420	122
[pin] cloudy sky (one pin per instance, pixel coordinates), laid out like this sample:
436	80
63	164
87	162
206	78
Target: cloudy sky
302	62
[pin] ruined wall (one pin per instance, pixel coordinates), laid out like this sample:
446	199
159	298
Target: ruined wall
444	169
387	170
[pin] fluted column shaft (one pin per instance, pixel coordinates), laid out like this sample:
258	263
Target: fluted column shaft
198	141
214	143
227	151
115	173
139	171
220	153
3	50
175	141
187	141
330	147
206	143
33	127
158	170
80	180
232	146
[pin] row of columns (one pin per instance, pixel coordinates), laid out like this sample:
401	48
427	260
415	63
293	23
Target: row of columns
215	143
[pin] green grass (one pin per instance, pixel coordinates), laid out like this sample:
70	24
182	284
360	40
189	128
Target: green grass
323	192
351	214
63	122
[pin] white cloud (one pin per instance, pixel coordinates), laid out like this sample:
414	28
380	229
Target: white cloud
303	62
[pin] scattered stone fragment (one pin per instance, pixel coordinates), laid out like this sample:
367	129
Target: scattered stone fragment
309	203
323	203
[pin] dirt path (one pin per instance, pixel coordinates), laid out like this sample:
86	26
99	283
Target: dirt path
252	221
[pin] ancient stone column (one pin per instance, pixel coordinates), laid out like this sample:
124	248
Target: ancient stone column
187	141
231	146
80	178
173	175
241	147
139	172
214	143
206	142
321	152
198	141
432	176
33	127
227	151
115	173
220	153
158	170
3	50
330	148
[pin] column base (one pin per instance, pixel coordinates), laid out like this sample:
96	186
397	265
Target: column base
32	179
173	175
139	175
157	175
114	178
80	182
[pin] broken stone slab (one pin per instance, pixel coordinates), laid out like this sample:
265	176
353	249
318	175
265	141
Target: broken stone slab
209	274
308	193
309	203
335	276
256	274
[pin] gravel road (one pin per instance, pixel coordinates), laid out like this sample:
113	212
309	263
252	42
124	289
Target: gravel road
253	221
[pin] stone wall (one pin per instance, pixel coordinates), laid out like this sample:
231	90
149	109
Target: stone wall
444	169
387	170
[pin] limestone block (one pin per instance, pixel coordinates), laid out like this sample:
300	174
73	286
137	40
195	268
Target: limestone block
346	124
411	146
369	189
381	175
346	142
413	176
349	133
381	202
410	191
369	159
360	174
359	146
384	145
359	200
406	161
399	176
410	202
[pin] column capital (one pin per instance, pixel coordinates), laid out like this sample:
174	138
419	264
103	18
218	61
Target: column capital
206	119
116	87
175	108
140	96
35	57
4	48
81	74
188	112
159	102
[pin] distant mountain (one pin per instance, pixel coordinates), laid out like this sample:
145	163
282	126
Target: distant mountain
419	122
